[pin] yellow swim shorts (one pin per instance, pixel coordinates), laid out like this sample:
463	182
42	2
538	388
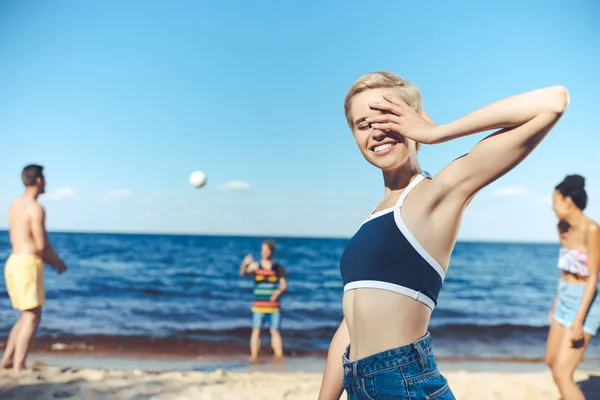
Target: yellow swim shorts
24	275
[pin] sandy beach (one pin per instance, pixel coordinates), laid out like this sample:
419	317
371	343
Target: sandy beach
59	382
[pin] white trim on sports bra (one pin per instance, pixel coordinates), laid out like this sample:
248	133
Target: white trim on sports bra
402	225
413	242
417	246
392	287
422	175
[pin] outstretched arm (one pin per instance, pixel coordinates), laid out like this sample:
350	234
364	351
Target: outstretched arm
331	385
40	238
523	120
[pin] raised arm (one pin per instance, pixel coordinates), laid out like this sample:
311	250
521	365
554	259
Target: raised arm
523	120
331	384
246	266
40	238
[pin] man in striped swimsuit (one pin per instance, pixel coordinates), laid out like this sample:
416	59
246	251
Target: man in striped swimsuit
269	283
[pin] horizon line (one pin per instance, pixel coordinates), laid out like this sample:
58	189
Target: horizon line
279	235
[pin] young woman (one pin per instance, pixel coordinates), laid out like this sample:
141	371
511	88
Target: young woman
575	315
394	266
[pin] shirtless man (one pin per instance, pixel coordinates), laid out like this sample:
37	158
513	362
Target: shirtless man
24	269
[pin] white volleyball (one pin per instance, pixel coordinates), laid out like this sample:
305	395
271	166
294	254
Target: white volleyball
197	179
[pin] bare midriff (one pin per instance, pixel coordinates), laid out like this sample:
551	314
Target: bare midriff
570	277
380	320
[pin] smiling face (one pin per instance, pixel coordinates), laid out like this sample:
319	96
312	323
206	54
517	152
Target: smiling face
384	150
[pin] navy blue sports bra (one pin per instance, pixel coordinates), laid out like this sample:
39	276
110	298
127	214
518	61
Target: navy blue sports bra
383	254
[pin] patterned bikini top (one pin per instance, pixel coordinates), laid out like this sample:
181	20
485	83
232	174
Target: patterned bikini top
573	261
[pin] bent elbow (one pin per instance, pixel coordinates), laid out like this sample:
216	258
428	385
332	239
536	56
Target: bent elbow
41	246
559	99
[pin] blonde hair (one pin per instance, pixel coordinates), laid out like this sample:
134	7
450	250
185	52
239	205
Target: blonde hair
407	91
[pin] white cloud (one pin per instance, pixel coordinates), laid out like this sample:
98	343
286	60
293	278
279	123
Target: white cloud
234	185
598	156
62	193
116	195
512	191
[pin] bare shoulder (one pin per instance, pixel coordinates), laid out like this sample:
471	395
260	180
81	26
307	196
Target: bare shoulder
23	207
35	209
593	236
593	229
593	240
12	207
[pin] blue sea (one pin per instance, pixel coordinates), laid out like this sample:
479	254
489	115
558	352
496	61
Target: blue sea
130	288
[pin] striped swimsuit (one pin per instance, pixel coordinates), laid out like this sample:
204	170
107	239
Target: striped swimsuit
266	281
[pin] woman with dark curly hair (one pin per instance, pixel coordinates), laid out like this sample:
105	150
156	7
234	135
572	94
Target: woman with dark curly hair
575	315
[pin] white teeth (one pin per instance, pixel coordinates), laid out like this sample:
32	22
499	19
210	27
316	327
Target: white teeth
382	147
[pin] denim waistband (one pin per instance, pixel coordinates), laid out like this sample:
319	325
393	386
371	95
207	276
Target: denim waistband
416	351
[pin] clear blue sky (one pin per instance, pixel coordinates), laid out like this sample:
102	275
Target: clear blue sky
121	101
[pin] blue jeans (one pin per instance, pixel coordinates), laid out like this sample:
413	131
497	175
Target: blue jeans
407	372
259	318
